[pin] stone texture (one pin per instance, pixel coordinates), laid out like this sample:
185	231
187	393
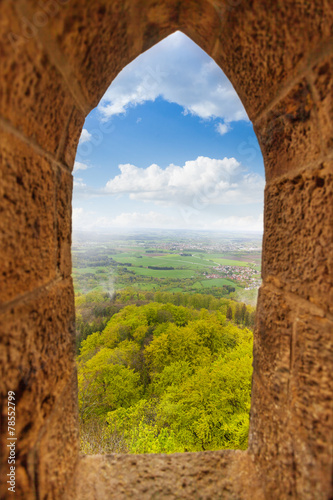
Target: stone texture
27	219
33	96
125	29
201	22
262	44
271	445
206	475
64	222
323	83
298	234
95	39
278	56
272	342
37	358
292	412
56	464
270	439
73	132
289	134
311	390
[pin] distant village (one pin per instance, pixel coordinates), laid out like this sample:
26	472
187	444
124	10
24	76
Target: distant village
203	247
237	273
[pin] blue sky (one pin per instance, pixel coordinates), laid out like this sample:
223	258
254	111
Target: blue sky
169	146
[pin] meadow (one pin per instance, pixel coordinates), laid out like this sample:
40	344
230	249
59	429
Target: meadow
140	261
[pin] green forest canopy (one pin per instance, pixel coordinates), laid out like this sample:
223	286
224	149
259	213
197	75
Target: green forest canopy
164	377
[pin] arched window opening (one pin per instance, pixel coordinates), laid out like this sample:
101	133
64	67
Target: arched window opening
167	227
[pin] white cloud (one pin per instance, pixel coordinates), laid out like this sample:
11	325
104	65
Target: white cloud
85	136
77	215
223	128
151	219
236	223
78	183
79	166
84	219
179	71
200	182
87	220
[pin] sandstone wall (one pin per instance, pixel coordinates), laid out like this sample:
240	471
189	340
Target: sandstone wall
57	59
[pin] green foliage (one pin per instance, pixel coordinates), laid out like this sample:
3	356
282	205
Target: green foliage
167	377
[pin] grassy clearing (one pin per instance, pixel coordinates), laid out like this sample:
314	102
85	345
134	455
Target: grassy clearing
208	283
175	273
228	262
192	262
84	270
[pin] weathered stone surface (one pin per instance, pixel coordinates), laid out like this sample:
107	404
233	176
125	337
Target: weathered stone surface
323	82
33	96
272	342
292	413
270	439
277	55
289	134
27	219
201	21
73	133
264	44
206	475
58	446
64	222
95	39
311	390
271	444
37	358
299	234
125	30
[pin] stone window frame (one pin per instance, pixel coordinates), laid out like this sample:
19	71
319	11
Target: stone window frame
279	60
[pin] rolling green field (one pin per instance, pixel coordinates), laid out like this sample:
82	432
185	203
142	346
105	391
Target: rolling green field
122	262
217	282
193	262
156	273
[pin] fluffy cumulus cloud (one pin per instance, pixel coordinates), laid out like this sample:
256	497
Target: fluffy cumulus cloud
239	223
85	136
198	182
88	220
149	219
79	166
223	128
77	216
177	70
79	184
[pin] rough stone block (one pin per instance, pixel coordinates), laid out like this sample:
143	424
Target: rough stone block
27	220
155	20
289	134
264	44
125	29
73	133
207	475
58	445
311	390
37	359
299	234
94	38
271	444
291	409
64	222
201	22
272	341
323	81
33	97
